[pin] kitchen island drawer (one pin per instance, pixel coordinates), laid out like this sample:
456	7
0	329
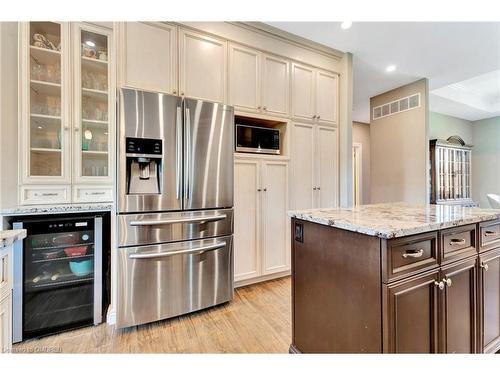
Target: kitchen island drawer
458	243
489	235
410	255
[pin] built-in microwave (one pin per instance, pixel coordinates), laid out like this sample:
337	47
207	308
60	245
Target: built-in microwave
257	139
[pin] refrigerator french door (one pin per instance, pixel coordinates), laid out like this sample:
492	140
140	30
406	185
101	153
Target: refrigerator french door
57	276
175	206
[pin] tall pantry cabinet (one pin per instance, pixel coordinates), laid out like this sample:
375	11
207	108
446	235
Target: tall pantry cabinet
66	113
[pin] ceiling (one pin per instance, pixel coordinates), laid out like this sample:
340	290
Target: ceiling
444	52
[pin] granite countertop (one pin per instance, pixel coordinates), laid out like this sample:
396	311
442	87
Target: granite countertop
8	237
56	209
391	220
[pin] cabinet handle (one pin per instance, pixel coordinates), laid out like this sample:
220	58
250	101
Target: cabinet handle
484	266
439	284
318	188
447	281
318	117
49	194
314	116
457	241
259	189
265	189
413	253
490	233
314	188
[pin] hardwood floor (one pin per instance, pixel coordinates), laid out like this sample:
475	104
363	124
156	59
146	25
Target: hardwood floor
258	320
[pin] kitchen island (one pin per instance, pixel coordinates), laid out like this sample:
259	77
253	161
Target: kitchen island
396	278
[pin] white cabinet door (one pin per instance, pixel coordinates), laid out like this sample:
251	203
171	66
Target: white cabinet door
202	66
303	165
246	219
303	92
5	324
275	85
149	56
275	223
326	180
244	78
326	97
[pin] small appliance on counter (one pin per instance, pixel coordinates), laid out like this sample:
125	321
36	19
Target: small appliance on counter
175	206
58	275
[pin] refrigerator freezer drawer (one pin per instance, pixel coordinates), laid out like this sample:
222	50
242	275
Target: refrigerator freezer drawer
148	229
162	281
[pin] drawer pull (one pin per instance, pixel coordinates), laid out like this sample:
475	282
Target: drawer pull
447	281
413	253
196	250
48	194
484	266
97	193
490	233
439	284
199	219
456	241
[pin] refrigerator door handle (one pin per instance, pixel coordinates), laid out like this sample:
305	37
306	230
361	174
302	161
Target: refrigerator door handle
187	145
200	219
196	250
97	270
178	130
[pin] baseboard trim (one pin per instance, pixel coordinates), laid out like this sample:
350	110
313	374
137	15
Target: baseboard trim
111	316
260	279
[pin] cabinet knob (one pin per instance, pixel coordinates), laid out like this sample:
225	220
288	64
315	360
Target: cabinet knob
259	107
319	188
259	189
182	93
314	116
314	188
174	91
265	189
439	284
318	117
265	108
484	266
77	129
447	281
66	128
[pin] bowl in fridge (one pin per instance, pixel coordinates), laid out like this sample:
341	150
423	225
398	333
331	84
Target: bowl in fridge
81	268
76	251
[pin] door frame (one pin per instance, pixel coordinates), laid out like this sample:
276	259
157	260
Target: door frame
357	173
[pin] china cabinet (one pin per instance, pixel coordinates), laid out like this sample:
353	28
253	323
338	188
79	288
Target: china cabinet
450	165
67	117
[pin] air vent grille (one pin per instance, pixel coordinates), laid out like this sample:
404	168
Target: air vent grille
397	106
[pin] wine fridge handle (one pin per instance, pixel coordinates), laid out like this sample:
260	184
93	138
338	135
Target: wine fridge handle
98	270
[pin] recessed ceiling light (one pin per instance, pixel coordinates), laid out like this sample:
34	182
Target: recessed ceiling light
390	68
90	43
346	25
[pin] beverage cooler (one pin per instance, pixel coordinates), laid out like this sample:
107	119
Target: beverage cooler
57	275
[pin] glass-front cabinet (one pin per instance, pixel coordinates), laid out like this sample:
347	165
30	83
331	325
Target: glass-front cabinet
67	116
450	167
92	90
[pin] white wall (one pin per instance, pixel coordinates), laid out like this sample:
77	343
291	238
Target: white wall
361	134
485	159
400	148
8	115
443	126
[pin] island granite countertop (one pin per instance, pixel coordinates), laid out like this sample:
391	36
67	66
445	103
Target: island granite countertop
392	220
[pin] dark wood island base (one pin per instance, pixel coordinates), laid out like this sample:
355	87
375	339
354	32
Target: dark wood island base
431	292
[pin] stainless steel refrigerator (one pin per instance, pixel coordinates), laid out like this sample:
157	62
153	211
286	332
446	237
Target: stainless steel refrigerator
174	206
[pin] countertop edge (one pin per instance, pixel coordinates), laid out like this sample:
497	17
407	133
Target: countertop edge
56	209
8	237
395	233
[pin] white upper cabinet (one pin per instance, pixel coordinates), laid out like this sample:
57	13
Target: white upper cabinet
326	180
202	66
246	219
326	96
275	85
303	92
275	224
314	94
149	56
244	78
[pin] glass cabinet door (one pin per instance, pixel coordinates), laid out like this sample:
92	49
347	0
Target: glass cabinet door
94	104
46	100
